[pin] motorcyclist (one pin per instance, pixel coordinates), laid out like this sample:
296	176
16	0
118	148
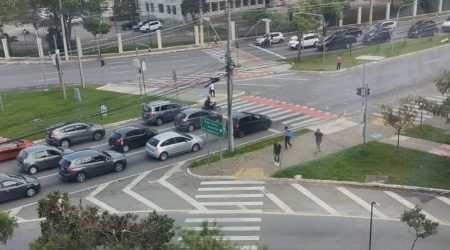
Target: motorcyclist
209	105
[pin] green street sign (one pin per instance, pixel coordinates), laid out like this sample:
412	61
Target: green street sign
212	127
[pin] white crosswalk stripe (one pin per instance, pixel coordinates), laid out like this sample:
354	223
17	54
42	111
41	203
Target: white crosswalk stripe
220	55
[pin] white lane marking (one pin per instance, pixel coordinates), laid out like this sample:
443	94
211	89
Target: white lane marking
49	79
244	228
444	199
271	111
260	77
274	131
222	220
119	72
177	191
234	103
409	205
296	119
431	61
316	199
13	213
251	104
231	182
251	107
268	51
272	116
361	202
231	189
137	196
285	116
258	84
262	108
246	211
101	204
119	66
306	122
136	152
46	176
232	203
218	196
99	145
295	79
278	202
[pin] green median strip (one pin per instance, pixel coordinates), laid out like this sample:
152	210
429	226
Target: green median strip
251	147
404	46
407	167
430	133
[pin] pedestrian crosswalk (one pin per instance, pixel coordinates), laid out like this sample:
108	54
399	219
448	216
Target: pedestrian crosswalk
220	55
292	115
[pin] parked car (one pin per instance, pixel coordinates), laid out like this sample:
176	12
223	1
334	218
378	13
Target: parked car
445	27
151	26
137	26
37	158
80	165
336	42
130	137
76	20
189	119
65	134
308	40
158	112
16	186
388	25
246	123
352	31
423	28
377	36
128	25
10	148
275	37
168	144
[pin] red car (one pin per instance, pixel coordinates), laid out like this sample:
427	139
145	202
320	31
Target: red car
10	148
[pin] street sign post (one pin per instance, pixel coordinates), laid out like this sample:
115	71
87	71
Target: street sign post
214	128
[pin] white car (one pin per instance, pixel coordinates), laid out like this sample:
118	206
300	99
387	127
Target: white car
151	26
446	25
309	40
76	20
391	25
275	37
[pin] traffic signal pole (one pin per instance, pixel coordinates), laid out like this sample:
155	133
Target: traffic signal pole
58	66
229	71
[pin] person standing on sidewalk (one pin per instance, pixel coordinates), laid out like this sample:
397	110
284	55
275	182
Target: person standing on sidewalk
277	153
338	62
318	136
212	91
287	137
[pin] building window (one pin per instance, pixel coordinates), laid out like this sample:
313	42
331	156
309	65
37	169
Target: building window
161	8
169	9
152	7
237	3
174	9
252	2
214	6
222	5
245	3
260	1
147	7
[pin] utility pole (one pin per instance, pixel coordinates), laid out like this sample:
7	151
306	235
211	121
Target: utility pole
200	16
58	66
63	29
371	12
80	66
229	70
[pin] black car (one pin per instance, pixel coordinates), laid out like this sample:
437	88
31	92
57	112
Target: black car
423	28
380	35
352	31
246	123
130	137
88	162
336	42
40	157
189	119
128	25
16	186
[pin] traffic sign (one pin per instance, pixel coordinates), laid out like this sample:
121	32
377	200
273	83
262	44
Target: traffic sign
212	127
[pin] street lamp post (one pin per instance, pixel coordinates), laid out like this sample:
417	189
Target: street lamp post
396	21
323	33
371	217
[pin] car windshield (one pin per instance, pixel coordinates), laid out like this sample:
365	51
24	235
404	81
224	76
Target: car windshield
180	116
147	108
23	154
153	141
188	136
64	163
116	135
105	153
17	177
329	38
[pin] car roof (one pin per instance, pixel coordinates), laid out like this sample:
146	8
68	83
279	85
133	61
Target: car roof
36	148
166	135
160	102
189	111
125	130
78	154
240	115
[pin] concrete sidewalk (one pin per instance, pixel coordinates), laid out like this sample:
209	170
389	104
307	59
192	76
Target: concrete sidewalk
420	144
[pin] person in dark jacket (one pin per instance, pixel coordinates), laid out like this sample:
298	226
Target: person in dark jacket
277	153
287	137
318	136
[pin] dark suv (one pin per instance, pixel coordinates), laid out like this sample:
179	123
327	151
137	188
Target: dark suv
88	162
65	134
158	112
246	123
189	119
130	137
16	186
40	157
380	35
423	28
353	31
336	42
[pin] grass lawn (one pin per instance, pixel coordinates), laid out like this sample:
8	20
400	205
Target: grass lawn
407	167
29	113
315	62
244	149
430	133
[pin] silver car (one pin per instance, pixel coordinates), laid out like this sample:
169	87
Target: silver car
64	135
40	157
172	143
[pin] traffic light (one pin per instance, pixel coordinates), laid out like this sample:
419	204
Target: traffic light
358	91
368	91
102	62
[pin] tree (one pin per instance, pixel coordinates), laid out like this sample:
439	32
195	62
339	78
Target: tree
95	26
443	86
123	8
303	23
192	8
420	225
401	118
209	237
330	9
7	225
423	105
443	83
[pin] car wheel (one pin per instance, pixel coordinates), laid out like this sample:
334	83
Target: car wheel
98	136
190	128
241	133
33	170
30	192
195	147
163	156
159	122
65	143
125	148
119	167
81	177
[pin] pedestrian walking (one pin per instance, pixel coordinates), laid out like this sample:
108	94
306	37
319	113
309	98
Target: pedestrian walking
318	136
277	153
287	137
103	111
338	62
212	91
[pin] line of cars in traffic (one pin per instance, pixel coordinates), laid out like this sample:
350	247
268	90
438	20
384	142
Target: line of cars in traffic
82	164
143	26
